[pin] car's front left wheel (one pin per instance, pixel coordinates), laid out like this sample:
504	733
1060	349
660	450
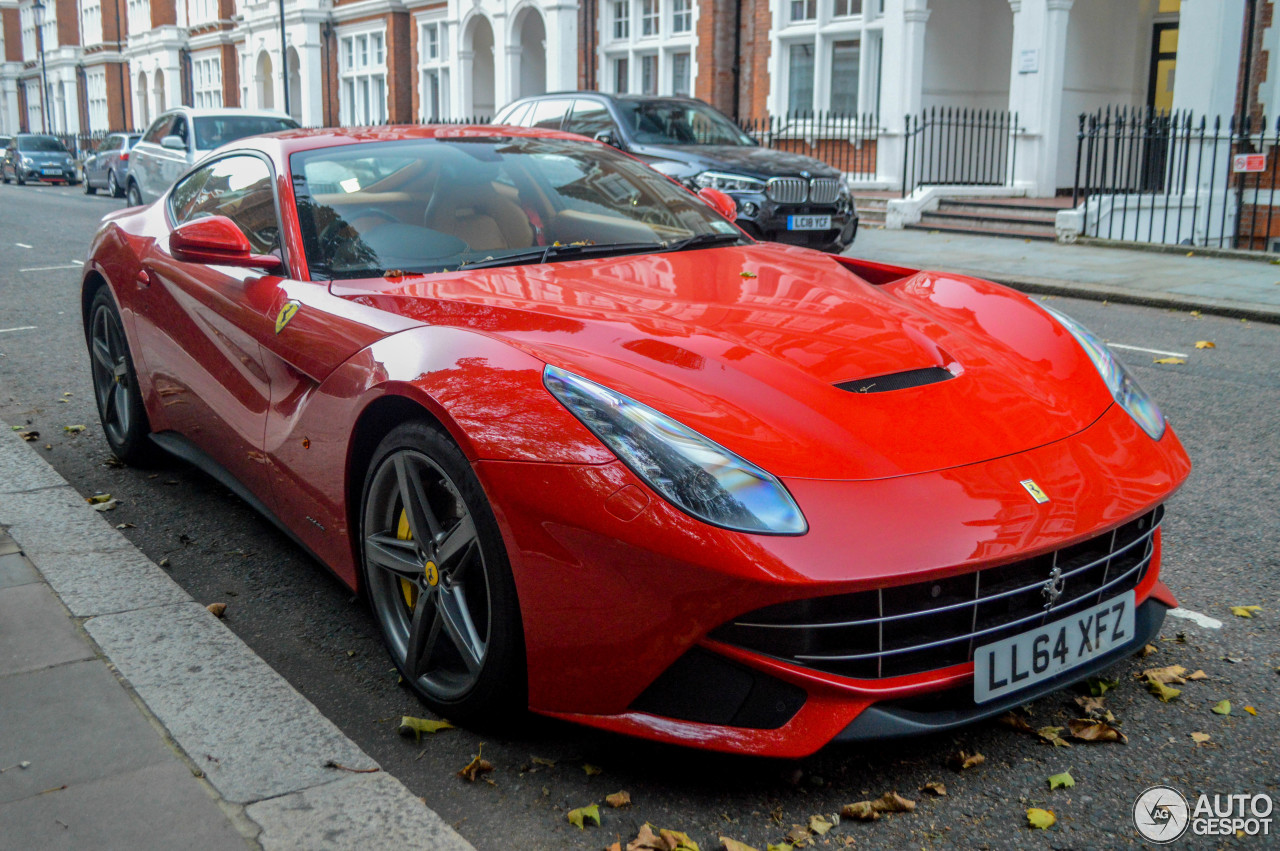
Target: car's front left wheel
115	384
133	196
436	574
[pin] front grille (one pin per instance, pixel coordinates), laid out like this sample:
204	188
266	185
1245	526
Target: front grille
787	190
823	190
924	626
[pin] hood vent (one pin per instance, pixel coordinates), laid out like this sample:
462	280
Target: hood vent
897	380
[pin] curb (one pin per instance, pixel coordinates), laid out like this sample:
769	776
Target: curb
256	741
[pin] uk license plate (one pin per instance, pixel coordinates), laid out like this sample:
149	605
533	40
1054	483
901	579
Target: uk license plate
808	223
1021	661
51	171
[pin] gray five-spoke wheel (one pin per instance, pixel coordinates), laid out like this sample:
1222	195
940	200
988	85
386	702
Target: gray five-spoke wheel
112	382
426	574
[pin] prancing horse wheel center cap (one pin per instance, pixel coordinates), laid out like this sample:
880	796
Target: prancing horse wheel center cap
433	573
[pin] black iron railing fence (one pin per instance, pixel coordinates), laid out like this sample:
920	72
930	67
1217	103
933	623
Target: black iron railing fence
1144	175
949	145
846	141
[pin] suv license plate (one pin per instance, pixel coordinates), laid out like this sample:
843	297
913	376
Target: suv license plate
1036	655
808	223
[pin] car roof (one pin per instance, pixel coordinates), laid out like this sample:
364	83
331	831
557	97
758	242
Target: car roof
223	112
286	142
617	98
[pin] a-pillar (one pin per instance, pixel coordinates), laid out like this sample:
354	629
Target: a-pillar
1036	75
902	88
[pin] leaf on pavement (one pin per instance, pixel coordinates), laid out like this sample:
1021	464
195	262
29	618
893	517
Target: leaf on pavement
1098	686
73	429
799	835
1061	781
1040	819
1015	722
1222	707
781	846
478	765
962	761
1197	675
1090	705
1162	691
582	815
677	841
1251	710
410	726
935	788
1147	651
735	845
1175	674
538	760
647	840
618	799
125	526
1205	344
819	825
592	770
1088	730
98	498
109	505
1245	611
1200	738
1169	360
889	802
29	436
218	610
1053	736
860	811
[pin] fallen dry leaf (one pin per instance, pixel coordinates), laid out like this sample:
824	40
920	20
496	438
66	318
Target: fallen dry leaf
889	802
677	841
962	761
218	610
592	770
1147	651
549	763
1222	707
1088	730
109	505
935	788
1061	781
1040	819
1175	674
582	815
647	840
618	799
29	436
476	767
1015	722
1053	736
1197	675
1098	686
1205	344
1169	360
1200	738
860	811
735	845
819	825
1090	705
98	498
1251	710
410	726
1245	611
1162	691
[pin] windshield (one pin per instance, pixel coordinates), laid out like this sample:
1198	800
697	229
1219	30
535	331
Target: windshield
431	205
214	131
659	122
40	143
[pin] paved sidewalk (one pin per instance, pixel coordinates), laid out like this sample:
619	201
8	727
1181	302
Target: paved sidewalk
144	723
1233	287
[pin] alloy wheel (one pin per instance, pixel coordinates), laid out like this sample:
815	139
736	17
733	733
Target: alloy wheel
427	577
134	196
113	188
112	384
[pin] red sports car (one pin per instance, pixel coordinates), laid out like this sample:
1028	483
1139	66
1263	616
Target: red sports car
587	448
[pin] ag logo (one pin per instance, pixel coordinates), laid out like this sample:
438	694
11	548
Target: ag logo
286	313
1161	814
1034	489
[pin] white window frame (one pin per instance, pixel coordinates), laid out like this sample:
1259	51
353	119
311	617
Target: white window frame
823	32
681	17
636	45
620	12
204	12
206	80
91	23
650	18
95	84
139	15
362	68
435	68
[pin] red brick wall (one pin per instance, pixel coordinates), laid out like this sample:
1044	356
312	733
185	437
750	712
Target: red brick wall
164	13
110	8
754	84
331	111
230	75
400	68
12	35
117	94
22	100
68	22
1258	66
416	101
715	53
588	41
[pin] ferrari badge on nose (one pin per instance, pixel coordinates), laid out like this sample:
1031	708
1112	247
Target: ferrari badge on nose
286	313
1032	488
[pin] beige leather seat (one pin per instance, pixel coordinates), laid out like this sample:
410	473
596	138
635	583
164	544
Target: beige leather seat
471	208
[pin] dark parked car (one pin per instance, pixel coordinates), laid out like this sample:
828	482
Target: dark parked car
781	196
108	167
31	156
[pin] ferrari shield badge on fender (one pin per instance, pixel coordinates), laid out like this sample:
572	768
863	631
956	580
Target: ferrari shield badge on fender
1032	488
290	308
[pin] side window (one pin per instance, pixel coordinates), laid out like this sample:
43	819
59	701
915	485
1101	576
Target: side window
159	129
589	118
236	187
548	114
520	115
180	130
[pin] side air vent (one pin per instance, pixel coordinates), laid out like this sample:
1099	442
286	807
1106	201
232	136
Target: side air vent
897	380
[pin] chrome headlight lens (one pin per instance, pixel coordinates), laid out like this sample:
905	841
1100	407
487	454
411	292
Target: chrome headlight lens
1124	388
691	472
728	182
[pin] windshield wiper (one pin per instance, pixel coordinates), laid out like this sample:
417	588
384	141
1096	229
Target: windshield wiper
574	251
701	240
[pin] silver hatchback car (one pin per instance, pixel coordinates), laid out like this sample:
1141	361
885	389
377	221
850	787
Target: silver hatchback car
180	137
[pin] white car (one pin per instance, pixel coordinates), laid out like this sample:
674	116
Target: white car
182	136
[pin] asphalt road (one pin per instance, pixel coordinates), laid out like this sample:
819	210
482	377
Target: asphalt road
1222	547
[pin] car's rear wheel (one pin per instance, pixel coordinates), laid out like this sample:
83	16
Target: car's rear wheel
113	188
115	384
437	576
133	197
18	176
88	187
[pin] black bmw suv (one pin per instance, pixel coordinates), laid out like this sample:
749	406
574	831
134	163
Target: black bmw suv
781	196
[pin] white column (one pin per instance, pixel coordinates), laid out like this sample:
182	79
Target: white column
1208	72
503	91
513	55
466	94
1036	73
901	80
9	105
311	69
561	22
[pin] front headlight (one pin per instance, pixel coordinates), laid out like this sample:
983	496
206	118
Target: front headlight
691	472
728	182
1124	388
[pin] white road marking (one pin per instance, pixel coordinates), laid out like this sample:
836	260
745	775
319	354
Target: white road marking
78	262
49	268
1149	351
19	328
1196	618
22	245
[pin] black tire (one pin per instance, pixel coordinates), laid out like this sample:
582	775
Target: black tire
4	175
18	175
113	186
115	384
448	610
88	187
133	196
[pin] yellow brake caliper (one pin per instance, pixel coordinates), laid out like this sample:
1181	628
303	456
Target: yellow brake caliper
406	587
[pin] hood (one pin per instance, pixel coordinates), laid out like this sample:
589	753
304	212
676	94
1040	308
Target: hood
749	160
747	344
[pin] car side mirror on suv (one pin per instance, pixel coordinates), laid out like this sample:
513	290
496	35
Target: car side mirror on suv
608	138
173	143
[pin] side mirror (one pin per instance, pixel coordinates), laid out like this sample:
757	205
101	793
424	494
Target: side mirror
216	240
174	143
608	138
720	202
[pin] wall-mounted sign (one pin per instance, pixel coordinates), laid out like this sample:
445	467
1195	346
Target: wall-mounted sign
1029	61
1248	163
